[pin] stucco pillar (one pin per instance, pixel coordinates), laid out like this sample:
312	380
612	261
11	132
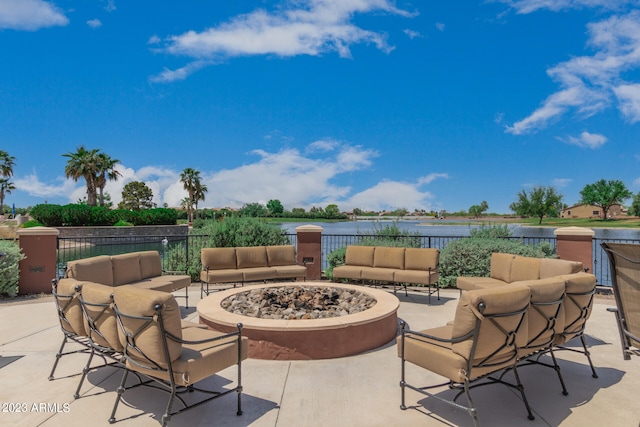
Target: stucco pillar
309	250
575	244
39	245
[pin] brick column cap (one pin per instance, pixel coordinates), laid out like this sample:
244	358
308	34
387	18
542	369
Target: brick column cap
574	231
37	231
309	228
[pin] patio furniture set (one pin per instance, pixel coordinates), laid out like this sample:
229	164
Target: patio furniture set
526	309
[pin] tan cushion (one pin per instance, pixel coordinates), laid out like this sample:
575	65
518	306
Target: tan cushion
103	317
155	283
381	274
221	276
500	299
218	258
546	319
281	255
359	255
525	268
574	305
550	267
290	271
501	266
95	269
150	264
421	258
258	274
347	272
67	300
250	257
470	283
135	301
384	257
199	361
126	268
416	276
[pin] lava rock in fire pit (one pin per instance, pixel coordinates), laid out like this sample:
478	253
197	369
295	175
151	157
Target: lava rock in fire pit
298	302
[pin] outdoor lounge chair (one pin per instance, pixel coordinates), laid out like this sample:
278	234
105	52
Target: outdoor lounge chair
483	339
578	303
156	345
624	260
65	296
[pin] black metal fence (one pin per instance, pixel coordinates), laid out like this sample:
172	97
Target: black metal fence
75	248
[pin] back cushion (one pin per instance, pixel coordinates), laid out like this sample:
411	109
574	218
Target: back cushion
500	299
150	264
126	268
218	258
384	257
67	299
421	258
525	268
501	266
135	301
96	269
281	255
103	317
252	257
550	267
360	255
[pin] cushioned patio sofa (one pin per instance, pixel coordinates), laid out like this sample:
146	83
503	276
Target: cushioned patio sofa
399	266
248	264
142	269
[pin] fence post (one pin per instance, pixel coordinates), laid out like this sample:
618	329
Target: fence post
309	250
575	244
38	268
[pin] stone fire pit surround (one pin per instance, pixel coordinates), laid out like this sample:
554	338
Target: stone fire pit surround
303	339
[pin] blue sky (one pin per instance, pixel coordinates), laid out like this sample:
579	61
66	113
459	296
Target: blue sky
374	104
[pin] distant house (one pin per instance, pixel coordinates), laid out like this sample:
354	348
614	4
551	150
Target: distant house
592	211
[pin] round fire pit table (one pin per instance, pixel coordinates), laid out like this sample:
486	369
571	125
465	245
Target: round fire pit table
306	339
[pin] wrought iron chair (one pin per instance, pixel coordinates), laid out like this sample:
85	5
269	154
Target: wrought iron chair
489	327
624	260
578	303
156	345
65	295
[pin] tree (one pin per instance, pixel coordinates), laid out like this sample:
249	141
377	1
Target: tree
6	187
605	194
198	195
274	206
332	211
105	171
256	210
477	210
191	182
7	163
83	164
635	206
136	196
541	202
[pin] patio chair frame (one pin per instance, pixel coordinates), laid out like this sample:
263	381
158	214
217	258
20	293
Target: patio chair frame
489	361
620	310
175	391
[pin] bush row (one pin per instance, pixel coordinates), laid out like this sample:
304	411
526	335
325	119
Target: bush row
84	215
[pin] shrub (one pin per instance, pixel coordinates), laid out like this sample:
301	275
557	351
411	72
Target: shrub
334	259
490	231
32	223
472	257
9	271
49	215
122	223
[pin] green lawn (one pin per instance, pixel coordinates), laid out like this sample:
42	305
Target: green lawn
579	222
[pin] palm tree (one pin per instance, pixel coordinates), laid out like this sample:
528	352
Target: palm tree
6	186
105	172
190	179
198	195
6	164
83	164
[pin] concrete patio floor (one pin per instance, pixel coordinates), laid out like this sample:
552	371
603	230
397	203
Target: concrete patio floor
353	391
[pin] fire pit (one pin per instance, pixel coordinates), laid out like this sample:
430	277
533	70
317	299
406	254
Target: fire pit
310	320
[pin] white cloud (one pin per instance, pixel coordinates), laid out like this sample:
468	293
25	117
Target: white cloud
590	83
440	26
562	182
529	6
303	27
298	178
168	76
30	15
412	34
588	140
94	23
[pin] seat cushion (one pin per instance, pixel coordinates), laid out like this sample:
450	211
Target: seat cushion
126	268
258	274
135	301
416	276
347	272
290	271
95	269
221	276
381	274
470	283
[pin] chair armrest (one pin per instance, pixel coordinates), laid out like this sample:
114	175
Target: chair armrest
237	333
